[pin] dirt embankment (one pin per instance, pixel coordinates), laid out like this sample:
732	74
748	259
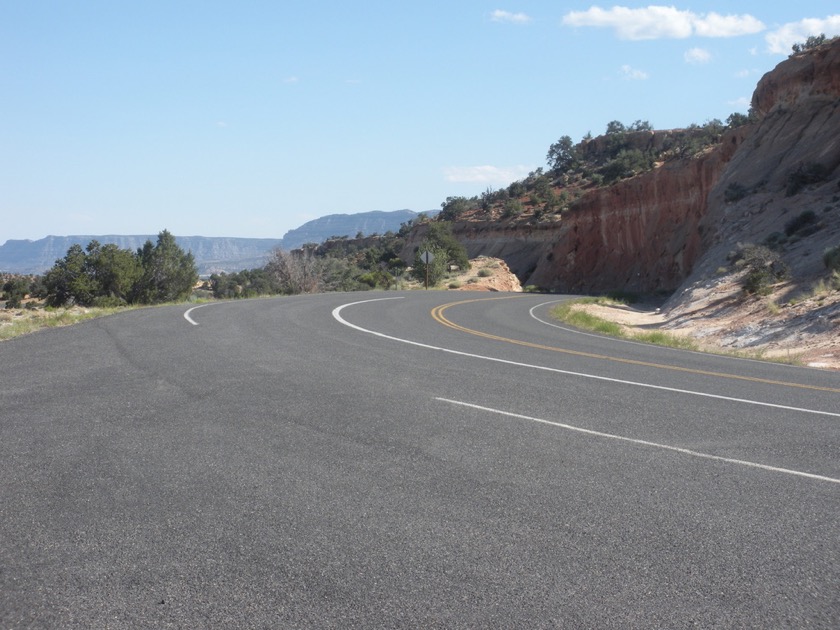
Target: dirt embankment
487	274
720	318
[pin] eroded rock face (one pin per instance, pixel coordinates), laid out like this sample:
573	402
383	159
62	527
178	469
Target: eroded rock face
811	75
651	232
641	234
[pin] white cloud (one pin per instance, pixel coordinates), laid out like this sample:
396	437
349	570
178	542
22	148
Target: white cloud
500	176
660	22
632	74
291	80
783	38
697	56
716	25
506	16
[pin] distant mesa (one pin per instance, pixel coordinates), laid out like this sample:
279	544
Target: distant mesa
212	254
376	222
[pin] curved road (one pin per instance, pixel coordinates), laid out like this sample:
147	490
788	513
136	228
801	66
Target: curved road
424	459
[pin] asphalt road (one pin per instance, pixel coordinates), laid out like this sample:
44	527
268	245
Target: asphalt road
412	460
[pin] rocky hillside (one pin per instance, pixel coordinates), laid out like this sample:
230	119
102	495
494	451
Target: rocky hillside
679	222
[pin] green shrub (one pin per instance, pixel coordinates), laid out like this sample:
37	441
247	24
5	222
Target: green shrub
14	291
806	174
484	273
627	163
831	258
802	224
776	241
513	207
764	268
108	301
623	297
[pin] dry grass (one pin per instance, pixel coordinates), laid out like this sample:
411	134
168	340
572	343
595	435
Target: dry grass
17	322
575	313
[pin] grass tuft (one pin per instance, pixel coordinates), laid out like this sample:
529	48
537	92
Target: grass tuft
566	313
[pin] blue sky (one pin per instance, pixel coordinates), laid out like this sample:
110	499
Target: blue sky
249	118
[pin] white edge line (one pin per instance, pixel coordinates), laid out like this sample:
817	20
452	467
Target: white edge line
589	334
187	314
575	331
622	438
337	315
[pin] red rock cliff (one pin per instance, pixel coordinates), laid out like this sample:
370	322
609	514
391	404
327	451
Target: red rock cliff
641	234
648	233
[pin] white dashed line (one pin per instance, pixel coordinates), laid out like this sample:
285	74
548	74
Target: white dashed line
676	449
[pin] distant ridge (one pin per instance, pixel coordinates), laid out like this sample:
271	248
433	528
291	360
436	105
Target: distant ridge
212	254
375	222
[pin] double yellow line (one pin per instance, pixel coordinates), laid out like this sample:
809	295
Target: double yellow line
438	315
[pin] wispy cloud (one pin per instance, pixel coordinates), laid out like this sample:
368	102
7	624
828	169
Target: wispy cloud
697	56
742	103
512	18
497	175
781	40
661	22
628	73
717	25
291	79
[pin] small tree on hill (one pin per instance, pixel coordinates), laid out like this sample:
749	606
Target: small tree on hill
453	208
69	282
115	271
440	237
169	274
562	155
812	42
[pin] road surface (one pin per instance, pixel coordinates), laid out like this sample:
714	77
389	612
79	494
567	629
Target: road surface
416	460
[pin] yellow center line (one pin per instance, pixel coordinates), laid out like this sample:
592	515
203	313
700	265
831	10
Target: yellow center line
438	316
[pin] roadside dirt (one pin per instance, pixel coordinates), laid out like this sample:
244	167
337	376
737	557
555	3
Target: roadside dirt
487	274
804	329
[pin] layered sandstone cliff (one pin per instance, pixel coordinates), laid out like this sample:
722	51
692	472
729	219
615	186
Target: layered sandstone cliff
643	234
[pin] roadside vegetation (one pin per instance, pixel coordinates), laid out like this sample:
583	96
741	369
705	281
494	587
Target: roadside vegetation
623	151
14	323
570	313
95	281
107	276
